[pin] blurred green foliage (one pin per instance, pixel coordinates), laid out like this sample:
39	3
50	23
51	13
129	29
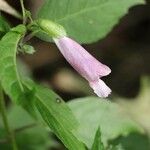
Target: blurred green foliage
30	135
93	112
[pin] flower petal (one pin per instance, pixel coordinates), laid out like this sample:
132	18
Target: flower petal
100	88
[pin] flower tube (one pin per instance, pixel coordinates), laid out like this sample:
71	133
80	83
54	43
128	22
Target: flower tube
84	63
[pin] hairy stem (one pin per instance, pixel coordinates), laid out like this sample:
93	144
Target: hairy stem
5	120
23	12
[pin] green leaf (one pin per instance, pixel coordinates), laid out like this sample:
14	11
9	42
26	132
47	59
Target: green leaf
9	76
56	114
97	144
86	20
53	110
93	112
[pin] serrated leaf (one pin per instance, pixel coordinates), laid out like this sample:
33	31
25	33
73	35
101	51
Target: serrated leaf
9	76
56	114
86	20
93	112
97	144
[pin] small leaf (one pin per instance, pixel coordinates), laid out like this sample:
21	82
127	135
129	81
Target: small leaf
97	144
92	112
86	20
28	49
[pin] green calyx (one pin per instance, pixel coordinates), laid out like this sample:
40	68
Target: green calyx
51	28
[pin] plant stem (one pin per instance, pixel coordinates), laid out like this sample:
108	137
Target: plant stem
18	130
5	120
23	12
25	127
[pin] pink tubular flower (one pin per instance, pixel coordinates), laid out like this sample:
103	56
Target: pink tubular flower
90	68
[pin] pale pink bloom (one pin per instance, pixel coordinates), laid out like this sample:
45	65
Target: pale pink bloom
83	62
